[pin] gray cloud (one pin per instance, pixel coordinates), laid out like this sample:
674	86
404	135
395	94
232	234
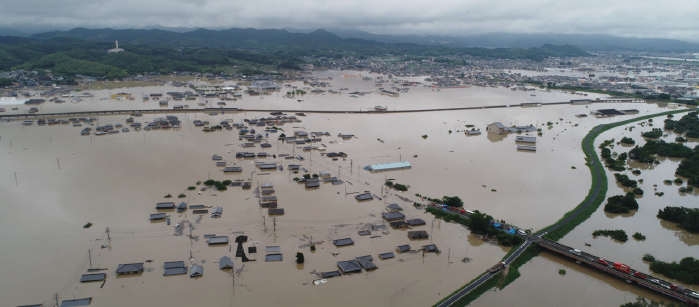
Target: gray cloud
630	18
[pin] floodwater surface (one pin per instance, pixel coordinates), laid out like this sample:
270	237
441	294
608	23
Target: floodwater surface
54	181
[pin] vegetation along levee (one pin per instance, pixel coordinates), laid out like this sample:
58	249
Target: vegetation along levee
593	200
563	226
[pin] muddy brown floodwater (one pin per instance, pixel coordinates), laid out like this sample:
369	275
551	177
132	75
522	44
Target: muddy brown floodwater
64	180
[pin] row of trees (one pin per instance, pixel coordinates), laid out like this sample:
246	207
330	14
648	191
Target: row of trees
686	218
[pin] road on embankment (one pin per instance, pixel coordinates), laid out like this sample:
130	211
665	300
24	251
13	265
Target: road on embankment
183	110
457	296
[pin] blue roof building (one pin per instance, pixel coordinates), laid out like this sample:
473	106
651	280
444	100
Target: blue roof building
388	166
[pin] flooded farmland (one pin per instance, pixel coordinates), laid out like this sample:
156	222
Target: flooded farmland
64	180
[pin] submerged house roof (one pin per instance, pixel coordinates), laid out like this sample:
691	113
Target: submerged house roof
78	302
349	266
174	264
403	248
415	222
158	216
217	212
399	224
366	263
275	211
197	270
232	169
167	205
175	271
418	235
392	216
386	255
343	242
330	274
129	268
93	277
225	263
430	248
217	240
394	207
364	232
526	139
273	257
364	196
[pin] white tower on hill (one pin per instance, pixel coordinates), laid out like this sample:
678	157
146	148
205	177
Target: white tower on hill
117	49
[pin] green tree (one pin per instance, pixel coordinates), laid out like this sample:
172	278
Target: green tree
300	258
479	222
453	201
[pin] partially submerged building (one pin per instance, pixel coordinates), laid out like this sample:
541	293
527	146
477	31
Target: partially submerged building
388	166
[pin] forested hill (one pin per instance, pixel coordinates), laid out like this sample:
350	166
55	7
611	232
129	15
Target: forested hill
298	44
83	51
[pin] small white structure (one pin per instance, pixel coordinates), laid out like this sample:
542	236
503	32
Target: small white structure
117	49
263	84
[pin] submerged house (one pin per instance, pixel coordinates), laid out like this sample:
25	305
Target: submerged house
496	127
196	271
349	266
129	268
418	235
343	242
392	216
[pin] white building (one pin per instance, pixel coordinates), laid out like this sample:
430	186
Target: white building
263	84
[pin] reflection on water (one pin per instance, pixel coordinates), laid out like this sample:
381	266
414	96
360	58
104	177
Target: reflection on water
685	236
542	285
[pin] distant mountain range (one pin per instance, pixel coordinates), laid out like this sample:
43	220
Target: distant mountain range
588	42
237	38
316	43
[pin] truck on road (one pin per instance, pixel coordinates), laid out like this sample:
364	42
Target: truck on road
497	267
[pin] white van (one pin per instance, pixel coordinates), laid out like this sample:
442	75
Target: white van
575	251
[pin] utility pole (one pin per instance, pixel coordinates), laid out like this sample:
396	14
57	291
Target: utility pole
55	295
89	256
432	231
448	255
107	231
16	183
59	163
263	223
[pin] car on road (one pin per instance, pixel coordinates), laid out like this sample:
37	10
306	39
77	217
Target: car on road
603	262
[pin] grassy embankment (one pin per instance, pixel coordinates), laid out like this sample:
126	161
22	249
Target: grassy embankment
585	214
555	235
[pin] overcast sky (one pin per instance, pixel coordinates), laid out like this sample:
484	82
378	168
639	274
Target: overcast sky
632	18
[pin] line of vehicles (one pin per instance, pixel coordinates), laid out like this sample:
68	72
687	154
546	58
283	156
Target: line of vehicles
623	268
